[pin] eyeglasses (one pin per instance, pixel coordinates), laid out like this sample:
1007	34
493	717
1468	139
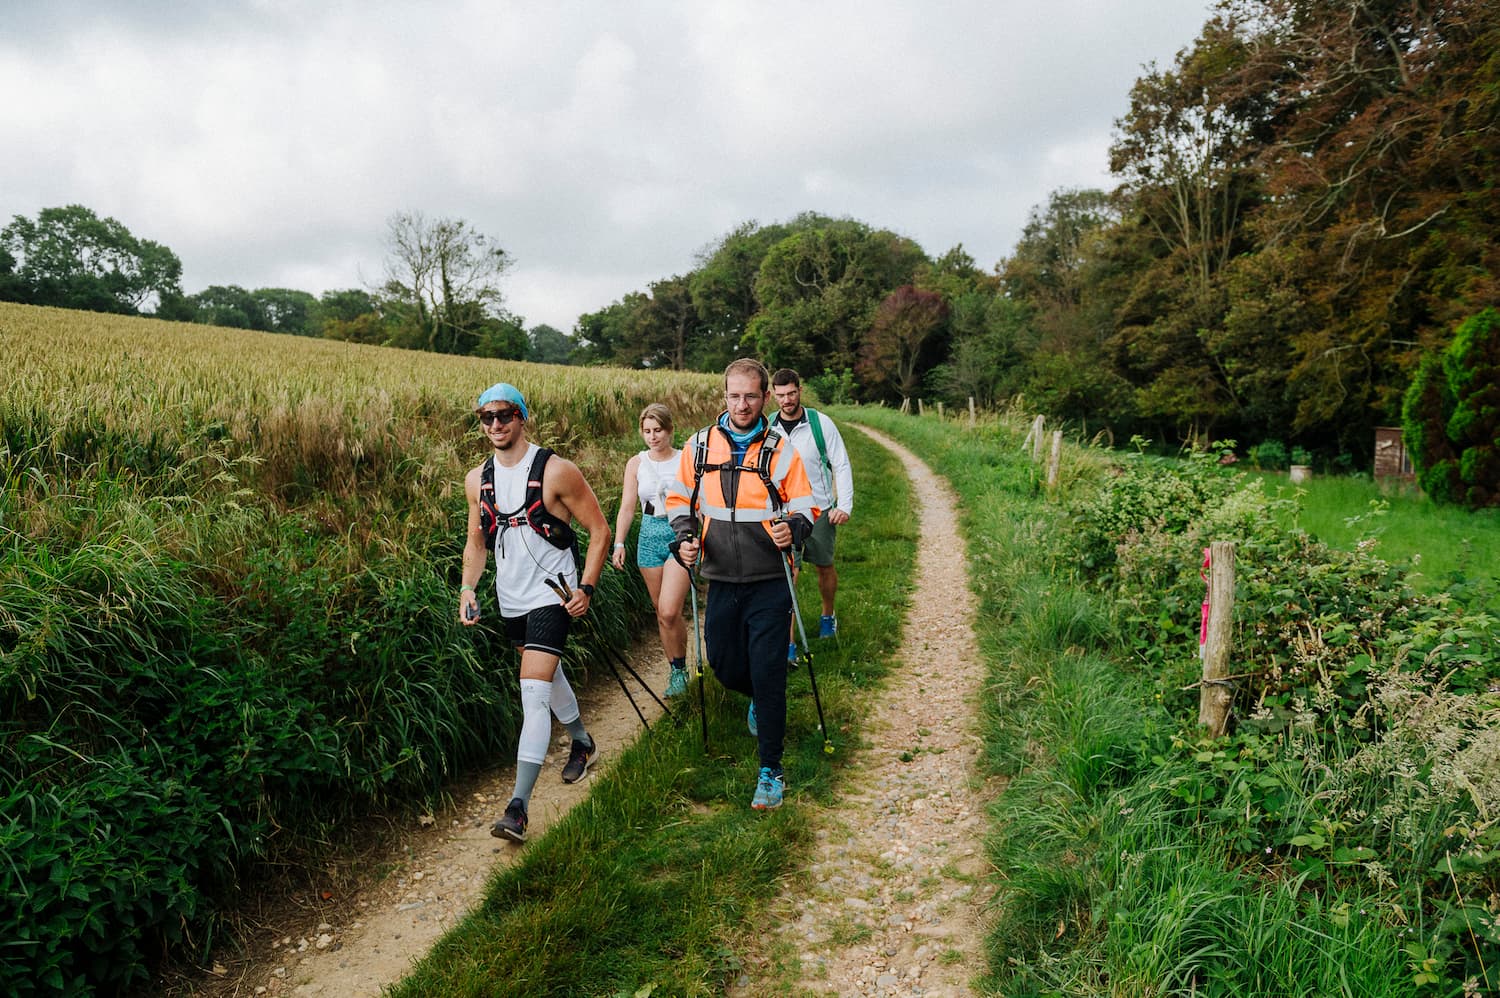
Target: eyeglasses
489	416
746	399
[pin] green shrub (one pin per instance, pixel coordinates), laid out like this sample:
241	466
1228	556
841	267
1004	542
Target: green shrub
1269	455
1451	417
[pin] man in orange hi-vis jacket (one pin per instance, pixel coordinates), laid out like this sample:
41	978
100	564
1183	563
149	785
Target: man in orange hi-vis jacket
741	500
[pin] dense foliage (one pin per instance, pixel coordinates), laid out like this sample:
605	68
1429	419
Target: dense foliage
72	258
1365	743
1306	206
1452	417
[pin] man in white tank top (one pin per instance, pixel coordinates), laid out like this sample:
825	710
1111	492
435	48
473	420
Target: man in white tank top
527	567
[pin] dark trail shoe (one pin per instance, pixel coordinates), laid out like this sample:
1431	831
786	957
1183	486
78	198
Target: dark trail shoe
579	757
512	825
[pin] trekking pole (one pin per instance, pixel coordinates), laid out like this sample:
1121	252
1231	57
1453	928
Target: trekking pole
564	593
612	652
786	566
698	643
626	690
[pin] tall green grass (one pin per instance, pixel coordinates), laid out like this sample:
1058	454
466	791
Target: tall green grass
228	572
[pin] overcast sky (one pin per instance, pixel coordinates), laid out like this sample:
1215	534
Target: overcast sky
603	145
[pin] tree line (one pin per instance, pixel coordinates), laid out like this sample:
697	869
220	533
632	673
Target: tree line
441	289
1304	210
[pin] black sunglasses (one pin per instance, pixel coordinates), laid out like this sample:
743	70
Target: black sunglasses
504	415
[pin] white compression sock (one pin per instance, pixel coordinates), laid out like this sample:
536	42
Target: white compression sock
536	730
565	706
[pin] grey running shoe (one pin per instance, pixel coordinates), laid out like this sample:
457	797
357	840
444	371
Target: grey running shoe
579	757
512	825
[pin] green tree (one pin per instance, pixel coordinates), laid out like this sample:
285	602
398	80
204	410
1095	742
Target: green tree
667	325
1451	417
228	305
502	337
346	304
818	289
442	283
1378	140
550	345
71	258
287	310
722	287
606	336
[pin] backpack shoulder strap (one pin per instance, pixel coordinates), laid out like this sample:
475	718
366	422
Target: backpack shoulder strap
554	529
700	462
765	460
816	422
489	514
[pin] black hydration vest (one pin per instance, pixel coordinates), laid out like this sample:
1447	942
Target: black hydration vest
553	529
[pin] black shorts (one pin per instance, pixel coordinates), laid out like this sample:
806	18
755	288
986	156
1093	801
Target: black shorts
544	629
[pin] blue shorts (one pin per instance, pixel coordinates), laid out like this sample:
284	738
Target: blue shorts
651	549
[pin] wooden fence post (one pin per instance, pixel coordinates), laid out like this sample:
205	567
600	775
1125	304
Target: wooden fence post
940	410
971	412
1036	439
1216	693
1054	459
921	409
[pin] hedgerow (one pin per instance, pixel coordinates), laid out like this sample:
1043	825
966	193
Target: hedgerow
1366	726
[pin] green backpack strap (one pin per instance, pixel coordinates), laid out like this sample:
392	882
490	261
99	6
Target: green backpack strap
816	422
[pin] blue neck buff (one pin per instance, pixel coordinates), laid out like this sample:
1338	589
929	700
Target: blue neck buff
741	441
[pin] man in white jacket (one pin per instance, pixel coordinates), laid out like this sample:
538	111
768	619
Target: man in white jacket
822	450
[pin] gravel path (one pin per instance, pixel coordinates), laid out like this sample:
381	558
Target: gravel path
892	903
354	945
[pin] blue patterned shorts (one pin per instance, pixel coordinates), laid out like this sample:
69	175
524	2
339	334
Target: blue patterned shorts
651	547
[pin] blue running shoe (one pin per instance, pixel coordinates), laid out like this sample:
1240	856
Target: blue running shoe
768	790
828	626
791	653
676	683
750	720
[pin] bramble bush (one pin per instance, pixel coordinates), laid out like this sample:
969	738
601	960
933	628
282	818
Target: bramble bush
1366	736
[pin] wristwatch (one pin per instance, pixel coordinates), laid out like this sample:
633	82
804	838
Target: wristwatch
587	588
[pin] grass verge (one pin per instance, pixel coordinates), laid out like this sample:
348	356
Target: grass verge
1409	529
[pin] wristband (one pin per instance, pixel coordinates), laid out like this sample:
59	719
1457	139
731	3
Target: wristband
466	588
620	544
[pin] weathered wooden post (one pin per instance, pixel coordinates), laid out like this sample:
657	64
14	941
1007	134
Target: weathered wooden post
905	405
940	410
971	412
1216	693
921	409
1036	439
1055	459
